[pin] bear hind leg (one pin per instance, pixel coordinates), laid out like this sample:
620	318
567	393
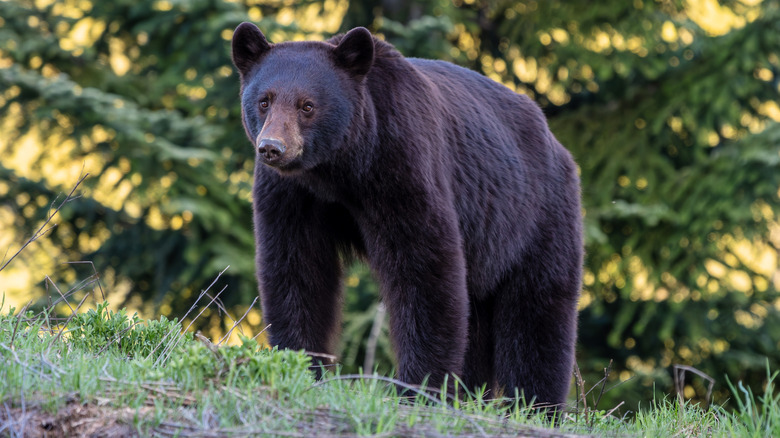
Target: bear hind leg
534	328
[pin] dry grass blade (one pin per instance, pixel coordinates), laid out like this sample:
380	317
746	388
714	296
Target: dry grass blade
95	274
57	370
170	428
322	355
679	382
51	305
11	350
611	411
65	324
117	337
203	309
264	401
175	340
166	390
227	335
83	284
19	322
168	342
221	306
40	231
415	389
38	371
79	286
373	337
207	342
261	331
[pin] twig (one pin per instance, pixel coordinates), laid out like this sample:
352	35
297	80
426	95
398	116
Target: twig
580	382
205	292
81	285
40	232
619	383
24	405
607	372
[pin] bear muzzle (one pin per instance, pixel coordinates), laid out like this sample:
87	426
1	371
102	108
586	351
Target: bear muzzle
270	150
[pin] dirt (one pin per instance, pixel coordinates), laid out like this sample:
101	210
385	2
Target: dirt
72	420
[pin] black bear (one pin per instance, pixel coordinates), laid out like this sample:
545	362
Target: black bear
448	184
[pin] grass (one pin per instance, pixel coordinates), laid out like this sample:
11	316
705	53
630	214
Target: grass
106	373
107	370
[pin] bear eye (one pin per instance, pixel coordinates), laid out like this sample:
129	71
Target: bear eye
264	104
307	107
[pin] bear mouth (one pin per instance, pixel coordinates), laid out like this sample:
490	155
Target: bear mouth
287	162
285	166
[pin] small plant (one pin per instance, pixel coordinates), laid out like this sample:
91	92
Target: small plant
100	328
245	365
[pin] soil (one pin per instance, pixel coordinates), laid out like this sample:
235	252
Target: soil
72	420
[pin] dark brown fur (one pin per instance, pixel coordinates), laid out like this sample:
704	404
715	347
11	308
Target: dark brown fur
450	185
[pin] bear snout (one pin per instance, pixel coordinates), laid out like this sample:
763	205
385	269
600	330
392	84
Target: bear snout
270	150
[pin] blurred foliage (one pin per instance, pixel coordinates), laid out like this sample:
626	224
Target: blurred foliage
670	108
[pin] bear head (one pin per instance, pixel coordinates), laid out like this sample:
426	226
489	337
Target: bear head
299	99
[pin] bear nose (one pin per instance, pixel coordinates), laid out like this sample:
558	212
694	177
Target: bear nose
270	149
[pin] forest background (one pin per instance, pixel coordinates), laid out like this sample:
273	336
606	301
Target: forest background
670	108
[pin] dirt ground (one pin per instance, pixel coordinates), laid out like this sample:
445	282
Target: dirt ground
73	420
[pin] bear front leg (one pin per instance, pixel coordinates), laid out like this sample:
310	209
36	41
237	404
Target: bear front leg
298	269
421	269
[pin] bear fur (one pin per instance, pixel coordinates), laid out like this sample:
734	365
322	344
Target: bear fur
448	184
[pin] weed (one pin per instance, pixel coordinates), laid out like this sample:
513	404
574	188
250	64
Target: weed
757	416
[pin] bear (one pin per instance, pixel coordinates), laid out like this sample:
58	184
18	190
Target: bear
449	185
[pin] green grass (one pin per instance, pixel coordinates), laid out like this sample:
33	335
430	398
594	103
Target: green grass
103	372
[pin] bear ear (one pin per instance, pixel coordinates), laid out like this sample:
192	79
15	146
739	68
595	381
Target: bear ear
355	52
249	45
